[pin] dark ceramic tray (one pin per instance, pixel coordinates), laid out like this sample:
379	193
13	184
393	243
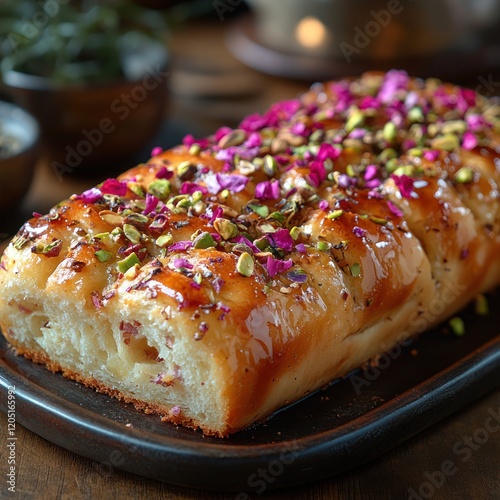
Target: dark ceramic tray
330	431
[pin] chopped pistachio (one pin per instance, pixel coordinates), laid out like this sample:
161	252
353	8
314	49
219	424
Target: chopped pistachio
111	218
433	129
355	144
135	218
262	210
261	243
164	240
270	166
350	171
128	262
51	250
224	194
355	270
245	265
418	152
464	175
317	136
233	138
196	197
131	233
267	228
278	216
20	242
392	165
204	240
390	131
356	118
246	167
195	150
379	220
225	228
137	189
447	142
295	232
457	326
186	170
454	127
323	246
481	306
103	255
198	278
335	214
184	202
160	188
408	170
415	115
279	145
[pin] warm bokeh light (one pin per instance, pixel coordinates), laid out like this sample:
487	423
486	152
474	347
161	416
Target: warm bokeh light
311	32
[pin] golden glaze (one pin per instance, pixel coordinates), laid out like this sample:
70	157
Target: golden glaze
275	329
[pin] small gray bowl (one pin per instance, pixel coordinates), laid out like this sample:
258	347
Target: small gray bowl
19	152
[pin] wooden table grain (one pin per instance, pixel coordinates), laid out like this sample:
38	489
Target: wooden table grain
210	89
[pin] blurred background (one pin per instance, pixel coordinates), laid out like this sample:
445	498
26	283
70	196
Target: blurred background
104	82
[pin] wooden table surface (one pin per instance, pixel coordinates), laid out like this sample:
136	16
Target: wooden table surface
209	89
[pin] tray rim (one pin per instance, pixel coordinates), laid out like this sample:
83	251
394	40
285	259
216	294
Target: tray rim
172	460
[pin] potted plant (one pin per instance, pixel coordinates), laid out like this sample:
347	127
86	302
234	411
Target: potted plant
93	74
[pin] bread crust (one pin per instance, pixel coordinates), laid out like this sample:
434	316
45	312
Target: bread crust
230	276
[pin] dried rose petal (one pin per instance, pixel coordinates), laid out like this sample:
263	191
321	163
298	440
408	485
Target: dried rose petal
281	239
180	262
358	231
90	196
469	141
317	173
180	246
164	173
267	190
191	187
404	183
275	266
394	209
114	186
151	204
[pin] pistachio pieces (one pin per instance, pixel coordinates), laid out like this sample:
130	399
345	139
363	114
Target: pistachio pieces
128	262
111	218
245	265
335	214
233	138
131	233
464	175
447	142
103	255
160	188
225	228
164	240
204	240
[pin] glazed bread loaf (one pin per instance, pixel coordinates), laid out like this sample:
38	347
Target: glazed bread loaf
230	276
